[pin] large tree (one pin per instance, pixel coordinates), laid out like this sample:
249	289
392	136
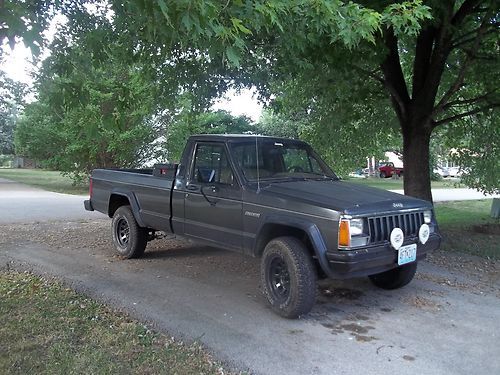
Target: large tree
434	62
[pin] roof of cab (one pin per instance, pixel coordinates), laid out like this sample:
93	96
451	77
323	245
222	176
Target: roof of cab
238	138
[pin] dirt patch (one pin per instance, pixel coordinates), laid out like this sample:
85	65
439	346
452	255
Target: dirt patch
423	303
487	229
332	292
481	274
357	330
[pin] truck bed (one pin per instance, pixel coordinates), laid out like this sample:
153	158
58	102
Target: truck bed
149	192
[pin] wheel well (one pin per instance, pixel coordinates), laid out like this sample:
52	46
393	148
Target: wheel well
115	202
272	231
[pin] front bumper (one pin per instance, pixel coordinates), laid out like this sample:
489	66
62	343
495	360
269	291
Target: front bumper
369	261
88	205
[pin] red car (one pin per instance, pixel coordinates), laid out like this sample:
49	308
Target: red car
388	170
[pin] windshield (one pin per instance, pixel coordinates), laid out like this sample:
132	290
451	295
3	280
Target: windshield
279	160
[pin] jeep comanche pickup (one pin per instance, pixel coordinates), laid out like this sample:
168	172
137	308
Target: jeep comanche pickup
272	198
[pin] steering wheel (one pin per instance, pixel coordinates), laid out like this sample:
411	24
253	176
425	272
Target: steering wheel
295	168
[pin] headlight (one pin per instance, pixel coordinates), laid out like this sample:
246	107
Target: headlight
427	217
356	227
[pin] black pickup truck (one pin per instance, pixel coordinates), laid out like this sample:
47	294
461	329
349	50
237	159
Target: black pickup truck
272	198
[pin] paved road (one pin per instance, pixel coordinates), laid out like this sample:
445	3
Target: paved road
25	204
445	322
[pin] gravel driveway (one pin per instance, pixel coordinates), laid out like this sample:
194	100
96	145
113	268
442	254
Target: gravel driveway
445	322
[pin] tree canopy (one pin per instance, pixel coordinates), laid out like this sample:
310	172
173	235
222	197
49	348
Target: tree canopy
351	76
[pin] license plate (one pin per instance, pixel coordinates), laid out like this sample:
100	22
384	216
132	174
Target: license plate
407	254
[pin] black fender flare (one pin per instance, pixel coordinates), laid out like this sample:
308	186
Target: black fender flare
134	204
311	230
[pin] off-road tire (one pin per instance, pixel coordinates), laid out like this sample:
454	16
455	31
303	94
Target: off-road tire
395	278
129	243
299	299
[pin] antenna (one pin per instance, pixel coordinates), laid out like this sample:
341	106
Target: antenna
257	157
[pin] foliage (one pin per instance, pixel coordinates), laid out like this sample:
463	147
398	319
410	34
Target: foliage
477	149
230	28
355	75
11	102
94	106
357	70
26	20
280	125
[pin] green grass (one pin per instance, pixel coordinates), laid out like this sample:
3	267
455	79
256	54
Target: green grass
393	184
459	222
47	180
49	329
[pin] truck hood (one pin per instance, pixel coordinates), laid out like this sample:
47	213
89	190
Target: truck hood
348	198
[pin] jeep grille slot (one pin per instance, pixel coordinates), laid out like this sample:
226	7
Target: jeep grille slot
380	227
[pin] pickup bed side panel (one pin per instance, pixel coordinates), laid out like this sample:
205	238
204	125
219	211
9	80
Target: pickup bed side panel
149	196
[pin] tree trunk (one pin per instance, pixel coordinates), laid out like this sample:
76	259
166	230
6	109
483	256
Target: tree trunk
417	178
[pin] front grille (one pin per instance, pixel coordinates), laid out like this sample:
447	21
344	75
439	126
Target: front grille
380	227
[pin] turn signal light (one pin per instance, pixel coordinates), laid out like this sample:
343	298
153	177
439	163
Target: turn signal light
344	236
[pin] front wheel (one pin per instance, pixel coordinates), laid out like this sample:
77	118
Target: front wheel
382	175
395	278
288	277
129	238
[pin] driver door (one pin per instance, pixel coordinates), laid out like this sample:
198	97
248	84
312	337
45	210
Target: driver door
213	206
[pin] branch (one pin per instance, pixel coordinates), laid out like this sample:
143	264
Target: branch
469	101
423	53
465	114
463	41
463	68
370	73
393	75
466	8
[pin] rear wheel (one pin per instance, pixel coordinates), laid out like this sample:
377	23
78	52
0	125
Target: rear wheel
288	277
382	174
395	278
129	238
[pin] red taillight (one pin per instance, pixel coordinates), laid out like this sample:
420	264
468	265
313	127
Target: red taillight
90	187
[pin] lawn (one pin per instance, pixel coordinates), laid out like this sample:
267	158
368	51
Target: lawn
48	180
49	329
397	184
467	227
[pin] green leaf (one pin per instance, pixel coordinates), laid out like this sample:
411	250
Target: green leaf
233	56
164	10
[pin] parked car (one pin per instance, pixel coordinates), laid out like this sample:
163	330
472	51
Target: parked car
388	170
272	198
454	171
441	171
358	173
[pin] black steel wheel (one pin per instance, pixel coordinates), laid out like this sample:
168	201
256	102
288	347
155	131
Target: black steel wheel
129	238
288	277
279	279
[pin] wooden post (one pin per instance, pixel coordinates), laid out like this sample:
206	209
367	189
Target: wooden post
495	208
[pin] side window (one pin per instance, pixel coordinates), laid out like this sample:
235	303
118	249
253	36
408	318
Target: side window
211	165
